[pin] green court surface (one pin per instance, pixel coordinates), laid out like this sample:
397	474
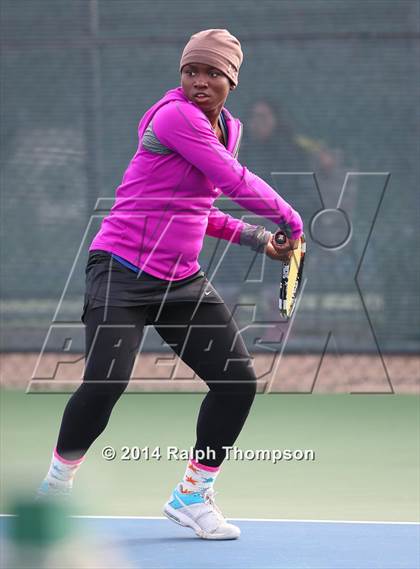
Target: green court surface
366	449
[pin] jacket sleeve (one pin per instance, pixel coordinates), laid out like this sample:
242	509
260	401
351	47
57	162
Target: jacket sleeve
184	128
223	226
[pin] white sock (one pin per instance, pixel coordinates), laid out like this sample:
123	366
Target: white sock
198	477
63	470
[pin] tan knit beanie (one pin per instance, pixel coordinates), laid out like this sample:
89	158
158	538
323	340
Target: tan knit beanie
214	47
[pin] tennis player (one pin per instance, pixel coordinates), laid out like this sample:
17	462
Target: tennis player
143	269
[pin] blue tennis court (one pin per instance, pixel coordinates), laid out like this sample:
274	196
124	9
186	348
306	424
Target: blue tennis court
266	544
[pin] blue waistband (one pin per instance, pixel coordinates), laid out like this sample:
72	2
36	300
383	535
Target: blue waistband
126	263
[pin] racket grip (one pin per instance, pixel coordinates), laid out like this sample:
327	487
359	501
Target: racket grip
280	237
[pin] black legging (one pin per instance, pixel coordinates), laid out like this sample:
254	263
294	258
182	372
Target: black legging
208	341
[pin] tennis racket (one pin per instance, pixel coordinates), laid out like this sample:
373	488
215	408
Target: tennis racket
291	275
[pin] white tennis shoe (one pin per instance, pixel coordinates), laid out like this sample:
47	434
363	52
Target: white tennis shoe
198	511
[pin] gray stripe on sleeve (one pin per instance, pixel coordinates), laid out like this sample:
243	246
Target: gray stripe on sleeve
255	237
151	142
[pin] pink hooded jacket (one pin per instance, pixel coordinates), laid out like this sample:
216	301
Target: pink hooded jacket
164	204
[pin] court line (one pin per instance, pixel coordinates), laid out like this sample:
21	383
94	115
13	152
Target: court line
279	520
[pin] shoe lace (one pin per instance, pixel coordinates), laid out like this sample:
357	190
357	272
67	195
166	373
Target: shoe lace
209	496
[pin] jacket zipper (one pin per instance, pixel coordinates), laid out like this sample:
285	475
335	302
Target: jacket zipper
238	141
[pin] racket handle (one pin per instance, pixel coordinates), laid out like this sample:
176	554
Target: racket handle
280	237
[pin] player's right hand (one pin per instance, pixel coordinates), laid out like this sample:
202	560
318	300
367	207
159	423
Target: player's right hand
282	252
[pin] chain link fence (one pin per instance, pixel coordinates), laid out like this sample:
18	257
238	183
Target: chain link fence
328	96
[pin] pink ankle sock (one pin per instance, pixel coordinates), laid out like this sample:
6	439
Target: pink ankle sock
199	477
62	468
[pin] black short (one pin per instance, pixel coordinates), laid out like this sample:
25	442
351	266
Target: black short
110	283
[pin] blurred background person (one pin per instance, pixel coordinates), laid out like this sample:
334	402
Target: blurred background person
288	159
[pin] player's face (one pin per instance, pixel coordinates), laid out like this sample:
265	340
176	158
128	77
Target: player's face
203	78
